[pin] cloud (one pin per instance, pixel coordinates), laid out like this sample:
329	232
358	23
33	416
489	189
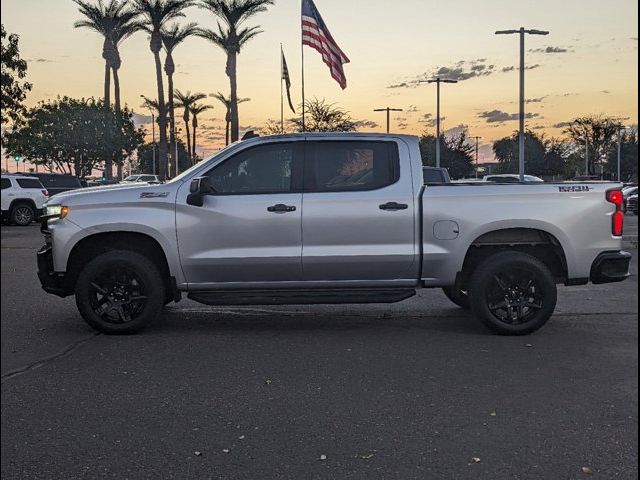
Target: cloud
536	100
412	109
498	116
606	92
561	124
527	67
429	120
550	49
459	71
366	124
457	130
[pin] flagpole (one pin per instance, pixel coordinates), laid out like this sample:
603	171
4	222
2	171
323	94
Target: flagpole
281	91
304	125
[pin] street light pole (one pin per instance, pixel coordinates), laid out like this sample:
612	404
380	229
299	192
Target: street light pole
477	138
521	31
388	110
438	81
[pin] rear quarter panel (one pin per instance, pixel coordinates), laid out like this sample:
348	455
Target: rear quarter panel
580	221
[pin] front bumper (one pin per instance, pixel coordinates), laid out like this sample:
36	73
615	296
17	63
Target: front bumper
610	267
51	281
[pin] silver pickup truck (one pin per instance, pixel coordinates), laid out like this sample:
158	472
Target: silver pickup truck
328	218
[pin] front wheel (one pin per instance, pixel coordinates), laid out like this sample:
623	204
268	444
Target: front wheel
513	293
120	292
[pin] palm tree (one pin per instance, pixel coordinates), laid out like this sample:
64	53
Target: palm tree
231	37
171	38
226	101
156	14
195	110
115	22
185	100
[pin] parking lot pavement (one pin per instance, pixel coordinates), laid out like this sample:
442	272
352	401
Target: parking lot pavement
412	390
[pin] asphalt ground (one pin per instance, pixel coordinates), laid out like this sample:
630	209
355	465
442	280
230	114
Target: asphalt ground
415	390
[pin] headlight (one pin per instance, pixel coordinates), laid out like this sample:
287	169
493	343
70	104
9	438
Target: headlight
56	211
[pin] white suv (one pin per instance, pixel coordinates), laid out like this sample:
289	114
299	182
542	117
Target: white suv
22	199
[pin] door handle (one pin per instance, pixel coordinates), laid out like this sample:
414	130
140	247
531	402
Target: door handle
281	208
394	206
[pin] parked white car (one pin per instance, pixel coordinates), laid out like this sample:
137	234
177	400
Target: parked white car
141	179
22	199
510	178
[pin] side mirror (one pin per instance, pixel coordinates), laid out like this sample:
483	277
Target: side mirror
198	188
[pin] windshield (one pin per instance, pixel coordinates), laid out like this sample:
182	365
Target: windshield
131	178
190	170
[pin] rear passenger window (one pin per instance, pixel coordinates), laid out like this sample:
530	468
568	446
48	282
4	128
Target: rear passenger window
29	183
339	166
5	183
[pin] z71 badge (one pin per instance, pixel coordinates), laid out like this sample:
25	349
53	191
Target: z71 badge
154	194
574	188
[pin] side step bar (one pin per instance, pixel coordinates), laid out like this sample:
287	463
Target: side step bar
302	297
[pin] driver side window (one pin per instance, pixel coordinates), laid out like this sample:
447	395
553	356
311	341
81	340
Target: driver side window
263	169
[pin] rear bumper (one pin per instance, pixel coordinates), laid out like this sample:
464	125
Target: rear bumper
51	281
610	267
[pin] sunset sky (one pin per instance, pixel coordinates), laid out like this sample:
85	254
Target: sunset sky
587	65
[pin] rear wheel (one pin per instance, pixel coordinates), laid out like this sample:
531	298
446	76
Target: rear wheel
458	296
22	214
120	292
513	293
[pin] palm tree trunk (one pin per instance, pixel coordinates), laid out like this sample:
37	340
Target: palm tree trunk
233	82
227	127
172	124
194	124
108	166
188	130
116	98
162	120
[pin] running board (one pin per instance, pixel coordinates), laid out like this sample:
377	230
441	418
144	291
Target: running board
301	297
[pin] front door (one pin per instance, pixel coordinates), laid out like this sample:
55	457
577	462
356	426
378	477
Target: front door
249	229
358	218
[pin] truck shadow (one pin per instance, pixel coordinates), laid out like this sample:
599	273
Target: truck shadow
272	319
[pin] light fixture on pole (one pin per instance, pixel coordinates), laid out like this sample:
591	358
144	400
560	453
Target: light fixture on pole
438	81
476	138
521	31
388	110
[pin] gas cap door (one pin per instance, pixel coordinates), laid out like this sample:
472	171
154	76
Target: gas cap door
446	230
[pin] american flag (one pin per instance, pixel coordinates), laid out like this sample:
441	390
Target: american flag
316	35
287	79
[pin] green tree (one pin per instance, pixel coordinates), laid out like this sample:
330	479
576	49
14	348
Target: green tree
456	154
144	161
156	14
75	136
324	117
185	100
598	132
226	101
628	156
231	36
13	87
543	157
172	37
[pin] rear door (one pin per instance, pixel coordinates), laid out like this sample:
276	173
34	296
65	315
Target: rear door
358	219
249	230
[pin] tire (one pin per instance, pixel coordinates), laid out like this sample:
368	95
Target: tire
457	296
22	214
120	292
513	293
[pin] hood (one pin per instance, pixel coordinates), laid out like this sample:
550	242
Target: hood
120	193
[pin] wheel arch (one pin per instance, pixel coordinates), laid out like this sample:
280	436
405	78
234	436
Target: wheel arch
537	242
94	244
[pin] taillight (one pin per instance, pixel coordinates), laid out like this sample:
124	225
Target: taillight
617	221
45	192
